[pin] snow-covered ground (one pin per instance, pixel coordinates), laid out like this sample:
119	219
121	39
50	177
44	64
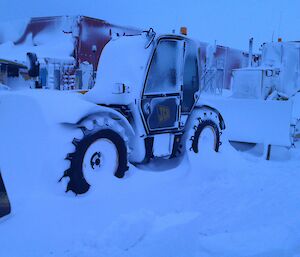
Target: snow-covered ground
209	205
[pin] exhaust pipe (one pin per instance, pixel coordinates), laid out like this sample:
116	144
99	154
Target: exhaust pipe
5	207
250	52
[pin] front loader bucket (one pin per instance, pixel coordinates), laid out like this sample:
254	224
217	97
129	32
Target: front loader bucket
5	208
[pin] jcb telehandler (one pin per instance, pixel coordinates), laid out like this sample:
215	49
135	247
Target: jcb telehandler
148	92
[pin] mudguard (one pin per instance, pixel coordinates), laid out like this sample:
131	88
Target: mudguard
5	207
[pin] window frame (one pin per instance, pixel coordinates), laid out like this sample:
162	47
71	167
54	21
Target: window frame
176	39
197	55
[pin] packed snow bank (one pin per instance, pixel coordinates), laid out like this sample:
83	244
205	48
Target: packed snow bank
206	205
254	120
55	106
225	206
3	87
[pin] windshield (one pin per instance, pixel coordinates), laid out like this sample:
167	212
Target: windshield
164	71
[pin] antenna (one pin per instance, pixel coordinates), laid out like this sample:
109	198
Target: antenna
250	52
279	25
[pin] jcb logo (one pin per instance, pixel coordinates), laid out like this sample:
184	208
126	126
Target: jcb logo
163	113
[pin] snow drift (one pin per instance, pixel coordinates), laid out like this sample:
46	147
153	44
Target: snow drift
225	204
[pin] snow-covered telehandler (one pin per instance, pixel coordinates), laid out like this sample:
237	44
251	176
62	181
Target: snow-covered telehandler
145	105
148	95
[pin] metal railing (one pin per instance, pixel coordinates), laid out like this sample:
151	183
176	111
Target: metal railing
212	81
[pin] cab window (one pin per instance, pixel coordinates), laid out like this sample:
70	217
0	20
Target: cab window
164	72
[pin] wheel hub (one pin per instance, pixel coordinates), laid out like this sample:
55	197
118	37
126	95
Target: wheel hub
207	138
100	158
95	160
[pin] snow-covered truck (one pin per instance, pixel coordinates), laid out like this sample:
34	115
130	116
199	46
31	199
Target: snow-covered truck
145	105
262	103
67	49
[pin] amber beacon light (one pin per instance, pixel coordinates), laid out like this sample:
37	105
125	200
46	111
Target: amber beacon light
183	31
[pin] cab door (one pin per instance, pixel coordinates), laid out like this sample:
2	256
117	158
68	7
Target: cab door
191	77
161	100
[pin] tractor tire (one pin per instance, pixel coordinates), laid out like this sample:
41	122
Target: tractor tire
100	148
5	207
206	126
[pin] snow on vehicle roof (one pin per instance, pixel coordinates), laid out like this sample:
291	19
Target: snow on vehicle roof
11	30
51	42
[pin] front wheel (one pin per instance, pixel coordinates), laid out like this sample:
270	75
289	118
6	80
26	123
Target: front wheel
99	151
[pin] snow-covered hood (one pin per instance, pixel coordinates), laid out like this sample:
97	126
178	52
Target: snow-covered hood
123	60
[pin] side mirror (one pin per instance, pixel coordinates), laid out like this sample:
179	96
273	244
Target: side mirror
33	65
120	88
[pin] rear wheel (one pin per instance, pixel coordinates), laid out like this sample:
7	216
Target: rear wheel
206	136
101	150
206	133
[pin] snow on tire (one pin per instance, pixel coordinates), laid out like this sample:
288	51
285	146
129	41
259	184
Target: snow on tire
103	149
206	132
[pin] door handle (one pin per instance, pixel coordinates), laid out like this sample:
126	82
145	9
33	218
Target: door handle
147	108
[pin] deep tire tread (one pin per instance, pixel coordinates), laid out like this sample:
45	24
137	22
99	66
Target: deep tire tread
205	119
200	128
77	182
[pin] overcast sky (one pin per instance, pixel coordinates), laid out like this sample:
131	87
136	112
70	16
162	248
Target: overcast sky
229	22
